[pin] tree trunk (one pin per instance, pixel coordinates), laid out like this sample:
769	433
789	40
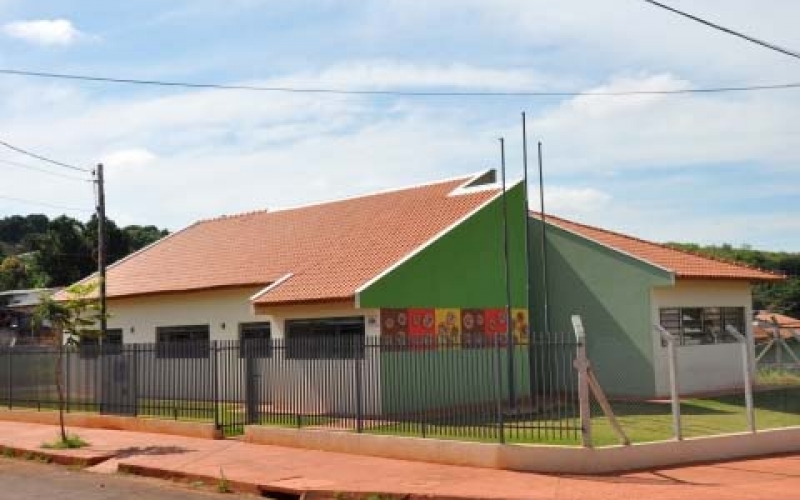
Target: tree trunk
60	386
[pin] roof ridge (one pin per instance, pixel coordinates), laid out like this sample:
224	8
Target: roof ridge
465	178
662	245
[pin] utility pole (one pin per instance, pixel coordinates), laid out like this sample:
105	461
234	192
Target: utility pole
101	247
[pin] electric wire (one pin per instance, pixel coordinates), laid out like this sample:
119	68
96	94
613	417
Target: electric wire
42	158
729	31
42	170
398	93
44	204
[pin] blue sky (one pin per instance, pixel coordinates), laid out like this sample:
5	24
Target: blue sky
707	168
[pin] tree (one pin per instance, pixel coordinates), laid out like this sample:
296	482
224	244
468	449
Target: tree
63	253
13	274
71	319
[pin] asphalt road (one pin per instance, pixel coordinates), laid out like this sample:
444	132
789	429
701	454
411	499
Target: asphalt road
20	479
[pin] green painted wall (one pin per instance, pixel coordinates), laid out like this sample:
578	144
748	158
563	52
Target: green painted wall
611	293
449	379
462	269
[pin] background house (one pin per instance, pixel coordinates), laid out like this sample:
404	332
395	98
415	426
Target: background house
16	309
622	286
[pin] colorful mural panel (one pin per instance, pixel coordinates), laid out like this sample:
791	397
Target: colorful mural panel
448	326
424	328
520	326
394	326
421	327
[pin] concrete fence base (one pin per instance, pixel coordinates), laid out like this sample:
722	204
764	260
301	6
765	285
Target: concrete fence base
537	458
113	422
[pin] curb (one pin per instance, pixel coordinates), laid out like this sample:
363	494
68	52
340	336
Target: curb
278	491
53	457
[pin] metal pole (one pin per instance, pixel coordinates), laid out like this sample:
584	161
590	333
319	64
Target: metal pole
582	366
545	299
215	381
359	397
673	381
101	248
748	381
512	396
531	379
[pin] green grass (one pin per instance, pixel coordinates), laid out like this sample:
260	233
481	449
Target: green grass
642	421
775	377
72	442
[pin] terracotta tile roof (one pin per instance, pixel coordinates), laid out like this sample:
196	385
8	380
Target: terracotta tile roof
330	249
681	263
763	327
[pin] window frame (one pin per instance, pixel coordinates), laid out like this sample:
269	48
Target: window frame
262	347
90	347
183	349
710	327
300	345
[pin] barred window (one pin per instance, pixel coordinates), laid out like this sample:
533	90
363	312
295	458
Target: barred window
91	347
255	340
188	341
325	338
702	325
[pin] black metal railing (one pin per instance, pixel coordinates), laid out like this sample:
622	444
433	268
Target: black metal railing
418	387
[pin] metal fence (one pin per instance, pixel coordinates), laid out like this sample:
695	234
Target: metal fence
750	397
483	390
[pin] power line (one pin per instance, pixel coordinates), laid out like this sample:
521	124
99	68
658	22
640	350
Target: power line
44	204
42	170
403	93
749	38
42	158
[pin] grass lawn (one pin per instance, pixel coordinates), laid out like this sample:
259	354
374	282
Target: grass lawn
641	421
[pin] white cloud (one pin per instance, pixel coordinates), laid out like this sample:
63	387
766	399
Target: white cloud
617	134
129	158
44	31
181	156
383	74
571	201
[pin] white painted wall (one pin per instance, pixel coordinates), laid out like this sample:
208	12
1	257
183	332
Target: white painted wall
308	386
701	368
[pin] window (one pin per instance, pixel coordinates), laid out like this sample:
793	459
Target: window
327	338
702	325
192	341
255	339
90	347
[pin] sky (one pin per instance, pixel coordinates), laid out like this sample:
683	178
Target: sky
706	168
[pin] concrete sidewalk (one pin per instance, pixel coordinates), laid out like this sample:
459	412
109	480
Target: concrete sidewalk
260	468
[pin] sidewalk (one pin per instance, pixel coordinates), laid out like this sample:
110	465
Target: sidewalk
258	468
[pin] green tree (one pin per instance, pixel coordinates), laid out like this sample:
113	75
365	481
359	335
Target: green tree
64	253
73	318
13	274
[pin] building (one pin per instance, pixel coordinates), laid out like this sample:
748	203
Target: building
427	264
777	339
16	309
622	286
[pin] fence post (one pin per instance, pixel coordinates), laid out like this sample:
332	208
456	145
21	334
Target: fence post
499	391
674	389
10	378
581	364
748	381
359	397
66	380
215	381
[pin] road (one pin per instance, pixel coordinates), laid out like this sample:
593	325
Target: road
32	480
